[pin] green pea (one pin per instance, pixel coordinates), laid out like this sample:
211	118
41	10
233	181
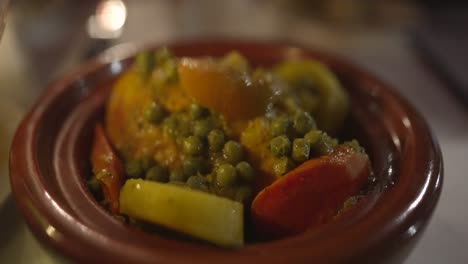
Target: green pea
233	152
210	177
324	146
283	166
226	175
303	123
196	111
177	175
300	150
170	126
333	142
261	75
162	55
354	144
280	126
235	61
192	145
157	173
94	185
201	128
217	158
216	140
313	136
134	169
145	63
154	113
244	194
193	165
280	146
183	124
197	182
245	171
169	69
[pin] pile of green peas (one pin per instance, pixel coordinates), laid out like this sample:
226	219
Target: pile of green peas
211	162
295	139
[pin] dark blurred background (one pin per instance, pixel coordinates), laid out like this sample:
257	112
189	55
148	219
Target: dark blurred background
55	35
418	46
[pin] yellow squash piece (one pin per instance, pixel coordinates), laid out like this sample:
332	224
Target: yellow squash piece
201	215
334	101
224	89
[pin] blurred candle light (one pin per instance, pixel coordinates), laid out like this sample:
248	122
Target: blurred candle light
108	20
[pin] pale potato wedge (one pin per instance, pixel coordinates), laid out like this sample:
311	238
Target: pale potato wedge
214	219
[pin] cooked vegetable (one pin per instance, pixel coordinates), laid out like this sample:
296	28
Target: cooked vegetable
216	139
134	169
233	152
177	176
154	113
280	146
197	182
145	62
157	173
245	171
201	128
221	88
235	60
282	166
196	111
300	150
201	137
215	219
333	106
192	145
244	194
311	194
303	123
226	175
107	167
324	145
280	126
193	165
313	137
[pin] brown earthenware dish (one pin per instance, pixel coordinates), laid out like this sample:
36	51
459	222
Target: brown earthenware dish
49	163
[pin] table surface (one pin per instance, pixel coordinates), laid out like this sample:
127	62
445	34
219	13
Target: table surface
34	53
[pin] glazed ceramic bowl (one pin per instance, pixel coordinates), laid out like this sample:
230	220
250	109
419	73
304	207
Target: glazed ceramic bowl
49	163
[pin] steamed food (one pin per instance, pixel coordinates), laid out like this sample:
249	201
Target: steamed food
205	146
219	220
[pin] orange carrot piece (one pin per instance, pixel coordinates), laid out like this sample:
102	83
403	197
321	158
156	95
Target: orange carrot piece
107	167
311	194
